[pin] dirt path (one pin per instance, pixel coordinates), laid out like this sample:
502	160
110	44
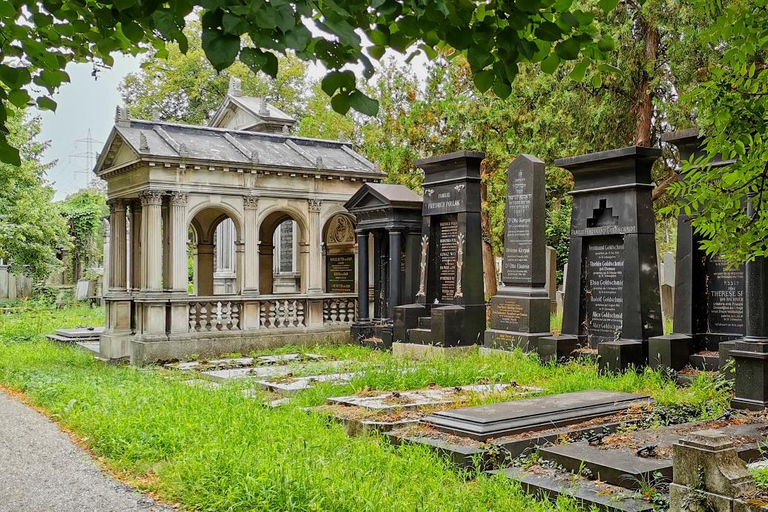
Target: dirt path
42	470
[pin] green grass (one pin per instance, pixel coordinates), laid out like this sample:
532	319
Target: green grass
215	450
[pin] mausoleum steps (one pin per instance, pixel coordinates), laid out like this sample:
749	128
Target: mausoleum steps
420	335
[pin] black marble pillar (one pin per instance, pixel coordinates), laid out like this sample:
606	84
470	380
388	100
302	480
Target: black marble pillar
361	329
751	352
395	276
612	298
520	311
377	276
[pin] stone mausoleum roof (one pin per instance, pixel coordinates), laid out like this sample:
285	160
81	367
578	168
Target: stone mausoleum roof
133	141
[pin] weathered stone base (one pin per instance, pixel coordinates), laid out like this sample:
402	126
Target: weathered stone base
507	340
751	383
419	351
725	348
557	348
671	351
618	356
407	318
210	344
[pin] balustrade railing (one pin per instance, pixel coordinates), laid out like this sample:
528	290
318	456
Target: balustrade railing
215	315
282	313
339	310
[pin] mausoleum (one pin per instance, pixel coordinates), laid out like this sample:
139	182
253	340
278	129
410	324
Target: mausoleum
228	237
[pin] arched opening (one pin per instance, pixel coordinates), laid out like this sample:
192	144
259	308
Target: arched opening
213	250
339	251
282	250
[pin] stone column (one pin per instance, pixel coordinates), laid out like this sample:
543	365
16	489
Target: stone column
394	271
315	249
136	245
362	276
118	258
377	312
250	268
152	264
178	236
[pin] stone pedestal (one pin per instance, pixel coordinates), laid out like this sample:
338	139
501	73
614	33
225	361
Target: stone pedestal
621	355
709	475
556	348
407	318
670	351
520	311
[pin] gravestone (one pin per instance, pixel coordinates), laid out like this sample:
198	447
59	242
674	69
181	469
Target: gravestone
709	303
521	308
493	421
612	290
450	308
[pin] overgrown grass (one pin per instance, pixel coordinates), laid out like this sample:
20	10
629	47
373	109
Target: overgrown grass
215	450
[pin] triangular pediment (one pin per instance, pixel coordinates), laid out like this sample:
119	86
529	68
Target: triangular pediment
116	151
377	195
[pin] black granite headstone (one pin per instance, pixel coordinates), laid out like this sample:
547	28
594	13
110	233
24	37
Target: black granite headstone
614	299
451	264
709	296
340	272
520	311
507	418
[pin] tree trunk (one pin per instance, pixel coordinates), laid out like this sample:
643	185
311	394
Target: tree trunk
644	105
489	262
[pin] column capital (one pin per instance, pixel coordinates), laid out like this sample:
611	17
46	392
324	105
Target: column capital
315	205
361	232
179	198
116	205
151	197
250	202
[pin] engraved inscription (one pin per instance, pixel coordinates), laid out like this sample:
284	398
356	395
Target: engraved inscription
725	293
518	240
340	271
603	284
447	254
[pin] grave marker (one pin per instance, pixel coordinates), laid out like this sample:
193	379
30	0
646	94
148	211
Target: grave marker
612	292
520	311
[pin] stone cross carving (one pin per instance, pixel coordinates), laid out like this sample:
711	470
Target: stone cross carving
459	262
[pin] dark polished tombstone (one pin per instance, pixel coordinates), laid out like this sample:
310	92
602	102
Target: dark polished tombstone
392	215
751	352
709	296
450	307
520	311
612	298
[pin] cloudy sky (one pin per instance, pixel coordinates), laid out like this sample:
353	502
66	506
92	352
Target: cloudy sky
83	104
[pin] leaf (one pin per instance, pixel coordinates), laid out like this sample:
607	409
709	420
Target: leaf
607	5
548	31
363	104
8	153
258	60
579	70
597	80
568	49
379	37
606	44
132	31
478	57
165	23
484	80
502	89
46	103
19	97
336	80
340	103
549	65
14	78
221	49
377	52
298	38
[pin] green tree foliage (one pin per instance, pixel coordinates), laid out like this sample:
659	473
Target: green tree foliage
732	107
42	36
84	212
31	231
185	88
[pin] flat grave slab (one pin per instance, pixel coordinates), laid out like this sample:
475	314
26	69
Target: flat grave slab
499	452
497	420
550	483
629	458
91	346
242	373
384	411
81	332
288	385
239	362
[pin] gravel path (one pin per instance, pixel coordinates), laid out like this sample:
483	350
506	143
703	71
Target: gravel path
41	470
